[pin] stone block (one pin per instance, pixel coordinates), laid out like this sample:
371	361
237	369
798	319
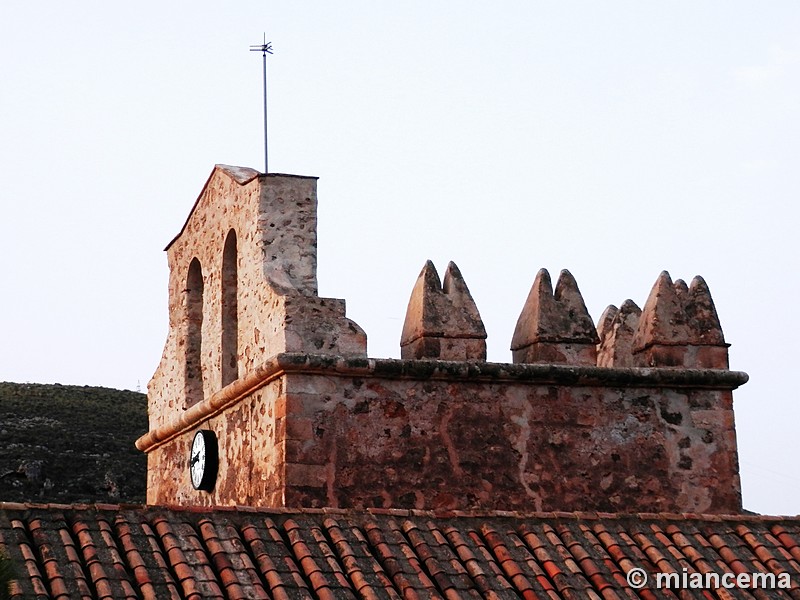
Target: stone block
442	321
679	327
555	326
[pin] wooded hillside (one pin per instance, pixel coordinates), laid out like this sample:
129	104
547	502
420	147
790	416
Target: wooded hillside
66	444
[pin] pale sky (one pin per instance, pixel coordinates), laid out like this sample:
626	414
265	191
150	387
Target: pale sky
614	139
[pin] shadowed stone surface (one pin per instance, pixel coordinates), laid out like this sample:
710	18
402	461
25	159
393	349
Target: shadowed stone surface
616	330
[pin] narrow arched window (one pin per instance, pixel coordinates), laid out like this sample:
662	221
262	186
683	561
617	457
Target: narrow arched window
194	334
230	315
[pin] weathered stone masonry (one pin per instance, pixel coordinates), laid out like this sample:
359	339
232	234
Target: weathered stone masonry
635	415
268	223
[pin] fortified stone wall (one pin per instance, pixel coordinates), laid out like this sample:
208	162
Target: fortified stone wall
449	435
632	415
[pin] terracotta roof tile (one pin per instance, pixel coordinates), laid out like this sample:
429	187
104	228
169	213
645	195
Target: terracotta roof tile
15	538
438	560
368	578
525	574
155	552
273	560
615	539
236	570
398	560
480	563
59	557
102	559
316	559
592	564
140	548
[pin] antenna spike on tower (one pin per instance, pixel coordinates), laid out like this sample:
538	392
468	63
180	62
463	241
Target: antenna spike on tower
265	48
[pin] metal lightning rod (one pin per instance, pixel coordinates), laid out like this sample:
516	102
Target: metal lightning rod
265	48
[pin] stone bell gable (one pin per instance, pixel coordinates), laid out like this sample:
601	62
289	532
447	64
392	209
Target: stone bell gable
243	287
632	414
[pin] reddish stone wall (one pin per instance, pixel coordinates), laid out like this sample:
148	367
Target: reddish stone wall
632	415
524	444
251	460
278	310
434	435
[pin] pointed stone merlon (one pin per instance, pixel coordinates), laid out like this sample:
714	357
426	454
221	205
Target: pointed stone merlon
442	320
679	327
616	329
555	327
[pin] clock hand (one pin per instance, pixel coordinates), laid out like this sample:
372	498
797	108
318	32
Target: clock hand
194	460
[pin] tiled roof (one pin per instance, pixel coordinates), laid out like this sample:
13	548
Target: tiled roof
108	551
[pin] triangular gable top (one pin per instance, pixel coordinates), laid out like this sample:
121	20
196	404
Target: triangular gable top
241	175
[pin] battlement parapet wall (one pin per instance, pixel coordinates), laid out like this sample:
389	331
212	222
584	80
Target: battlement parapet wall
678	326
632	414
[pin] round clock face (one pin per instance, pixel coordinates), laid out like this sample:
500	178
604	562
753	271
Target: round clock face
203	460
